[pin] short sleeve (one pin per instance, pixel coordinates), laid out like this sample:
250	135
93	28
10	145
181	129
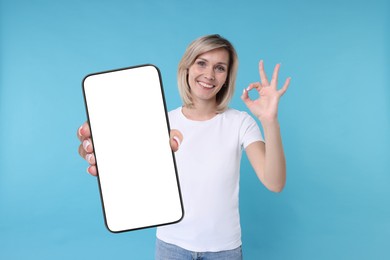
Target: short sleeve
249	131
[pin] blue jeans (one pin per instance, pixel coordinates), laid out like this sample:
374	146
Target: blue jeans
165	251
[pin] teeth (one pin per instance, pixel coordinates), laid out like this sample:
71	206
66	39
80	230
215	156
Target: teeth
205	85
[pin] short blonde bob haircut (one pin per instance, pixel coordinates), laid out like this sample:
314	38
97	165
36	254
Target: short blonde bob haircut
198	47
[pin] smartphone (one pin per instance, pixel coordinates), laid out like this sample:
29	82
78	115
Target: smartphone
136	168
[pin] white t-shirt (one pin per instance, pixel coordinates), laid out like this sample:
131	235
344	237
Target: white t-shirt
208	164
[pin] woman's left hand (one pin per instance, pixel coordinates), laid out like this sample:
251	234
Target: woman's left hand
266	106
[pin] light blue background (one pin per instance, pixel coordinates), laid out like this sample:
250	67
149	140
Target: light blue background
334	118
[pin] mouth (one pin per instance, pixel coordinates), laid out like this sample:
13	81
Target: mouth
205	85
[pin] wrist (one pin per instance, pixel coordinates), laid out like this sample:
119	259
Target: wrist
272	121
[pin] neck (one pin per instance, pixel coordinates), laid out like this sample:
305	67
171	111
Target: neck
200	112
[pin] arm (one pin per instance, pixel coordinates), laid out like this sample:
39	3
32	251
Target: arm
267	159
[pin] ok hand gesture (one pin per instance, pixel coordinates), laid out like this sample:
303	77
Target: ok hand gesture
266	106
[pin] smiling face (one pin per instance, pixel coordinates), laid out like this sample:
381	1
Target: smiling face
208	74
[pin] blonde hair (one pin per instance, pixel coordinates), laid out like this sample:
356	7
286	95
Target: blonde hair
198	47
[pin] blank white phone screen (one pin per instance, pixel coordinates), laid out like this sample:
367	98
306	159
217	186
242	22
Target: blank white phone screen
137	174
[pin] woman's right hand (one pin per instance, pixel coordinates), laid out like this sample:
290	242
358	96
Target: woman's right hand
86	147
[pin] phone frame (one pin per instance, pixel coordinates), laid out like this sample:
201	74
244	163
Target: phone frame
106	221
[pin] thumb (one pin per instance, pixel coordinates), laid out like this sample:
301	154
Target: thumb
175	139
245	97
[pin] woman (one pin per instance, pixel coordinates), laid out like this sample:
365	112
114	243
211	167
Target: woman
208	142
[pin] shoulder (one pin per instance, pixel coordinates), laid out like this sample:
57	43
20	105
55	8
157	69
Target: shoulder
235	114
248	128
174	115
240	119
174	112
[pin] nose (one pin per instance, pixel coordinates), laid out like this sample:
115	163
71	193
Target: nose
209	74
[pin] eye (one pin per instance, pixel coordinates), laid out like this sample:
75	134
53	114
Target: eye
220	68
201	63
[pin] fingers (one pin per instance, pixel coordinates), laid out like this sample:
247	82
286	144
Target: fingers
84	135
285	86
84	132
92	170
86	151
175	139
245	96
263	76
274	80
86	148
81	150
90	158
256	85
87	155
87	144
